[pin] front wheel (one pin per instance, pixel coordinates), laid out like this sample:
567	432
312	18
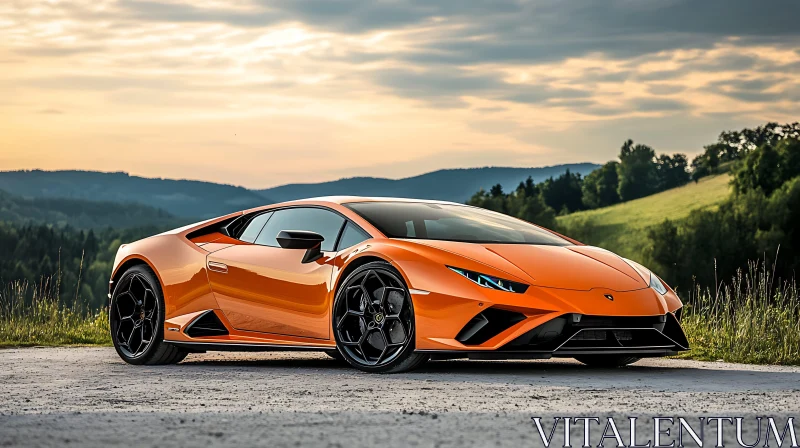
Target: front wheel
136	318
373	320
606	360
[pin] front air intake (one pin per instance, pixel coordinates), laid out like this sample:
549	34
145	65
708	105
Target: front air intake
487	325
208	324
576	333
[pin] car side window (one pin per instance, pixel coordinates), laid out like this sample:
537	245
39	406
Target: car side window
351	236
254	227
324	222
410	229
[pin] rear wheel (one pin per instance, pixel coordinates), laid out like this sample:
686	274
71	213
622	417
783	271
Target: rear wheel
136	317
373	320
606	360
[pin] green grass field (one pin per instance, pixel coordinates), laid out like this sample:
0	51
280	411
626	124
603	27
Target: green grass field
753	319
30	315
622	228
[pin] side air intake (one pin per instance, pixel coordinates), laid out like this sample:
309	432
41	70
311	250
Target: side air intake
487	325
208	324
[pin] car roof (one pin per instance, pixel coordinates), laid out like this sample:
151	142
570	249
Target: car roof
348	199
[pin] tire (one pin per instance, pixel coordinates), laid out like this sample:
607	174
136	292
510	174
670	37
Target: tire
373	321
137	304
607	360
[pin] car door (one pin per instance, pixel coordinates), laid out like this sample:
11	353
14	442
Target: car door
265	288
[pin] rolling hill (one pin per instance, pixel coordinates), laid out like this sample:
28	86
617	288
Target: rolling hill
455	185
621	228
198	200
184	198
83	214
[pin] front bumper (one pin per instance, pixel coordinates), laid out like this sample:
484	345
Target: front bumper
573	334
444	318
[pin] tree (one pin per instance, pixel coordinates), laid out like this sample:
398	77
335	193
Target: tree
637	171
736	145
768	167
705	164
490	201
531	208
600	186
671	171
42	254
564	193
496	191
529	188
525	203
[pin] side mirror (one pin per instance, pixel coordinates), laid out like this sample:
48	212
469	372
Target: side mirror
301	239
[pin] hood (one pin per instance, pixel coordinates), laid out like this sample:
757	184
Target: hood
565	267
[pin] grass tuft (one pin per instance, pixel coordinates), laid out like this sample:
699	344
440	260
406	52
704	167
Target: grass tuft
755	319
32	315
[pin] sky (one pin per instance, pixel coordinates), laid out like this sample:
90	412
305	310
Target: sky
266	92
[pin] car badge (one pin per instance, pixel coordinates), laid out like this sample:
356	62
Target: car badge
609	297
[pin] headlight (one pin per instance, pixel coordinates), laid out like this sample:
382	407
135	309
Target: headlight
491	282
654	282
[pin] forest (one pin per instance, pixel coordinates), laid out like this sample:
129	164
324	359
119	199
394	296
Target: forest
73	264
70	245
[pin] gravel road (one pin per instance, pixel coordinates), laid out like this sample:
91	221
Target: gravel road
89	397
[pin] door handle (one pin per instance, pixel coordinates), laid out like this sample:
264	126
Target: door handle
218	267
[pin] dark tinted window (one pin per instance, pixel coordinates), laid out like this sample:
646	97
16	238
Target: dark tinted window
318	220
254	226
352	235
451	222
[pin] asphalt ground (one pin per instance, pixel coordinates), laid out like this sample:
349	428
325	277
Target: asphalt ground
89	397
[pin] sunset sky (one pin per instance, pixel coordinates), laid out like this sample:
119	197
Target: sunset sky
264	92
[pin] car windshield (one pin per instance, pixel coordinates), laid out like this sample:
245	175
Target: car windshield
451	222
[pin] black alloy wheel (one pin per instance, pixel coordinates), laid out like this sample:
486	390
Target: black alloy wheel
373	320
136	319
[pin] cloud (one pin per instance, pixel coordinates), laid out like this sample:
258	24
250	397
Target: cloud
435	83
446	86
490	110
187	12
661	75
756	90
665	89
729	62
515	30
49	51
539	94
556	80
659	105
529	32
102	83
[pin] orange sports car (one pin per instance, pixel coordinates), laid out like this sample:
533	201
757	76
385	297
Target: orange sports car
385	284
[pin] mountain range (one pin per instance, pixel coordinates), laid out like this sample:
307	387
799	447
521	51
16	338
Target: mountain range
198	199
456	185
186	198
